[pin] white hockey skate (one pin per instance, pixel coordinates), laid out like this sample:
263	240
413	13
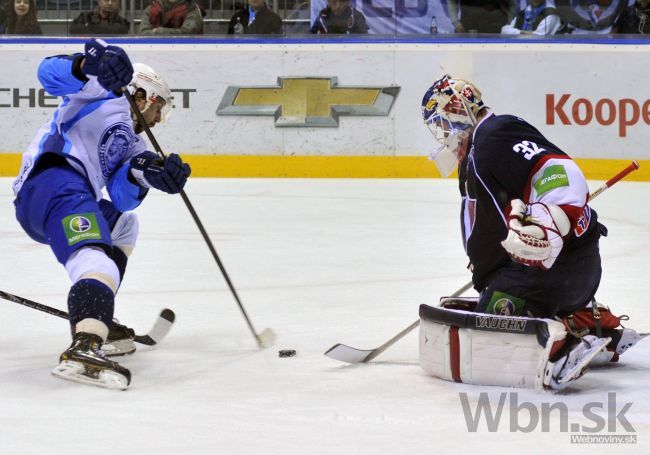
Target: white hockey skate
573	365
84	362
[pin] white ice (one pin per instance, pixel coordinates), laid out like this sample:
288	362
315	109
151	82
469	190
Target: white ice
320	262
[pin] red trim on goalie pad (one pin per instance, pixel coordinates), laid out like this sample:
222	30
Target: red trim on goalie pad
556	347
454	353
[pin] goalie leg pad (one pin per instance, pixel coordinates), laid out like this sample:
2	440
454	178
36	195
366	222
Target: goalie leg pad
486	349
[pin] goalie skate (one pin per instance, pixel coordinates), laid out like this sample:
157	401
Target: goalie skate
573	365
84	362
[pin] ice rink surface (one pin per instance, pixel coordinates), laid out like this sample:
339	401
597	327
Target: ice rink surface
320	262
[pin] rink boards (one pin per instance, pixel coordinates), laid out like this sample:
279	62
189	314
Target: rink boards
299	108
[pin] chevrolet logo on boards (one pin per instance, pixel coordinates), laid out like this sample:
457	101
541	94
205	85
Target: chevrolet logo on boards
307	101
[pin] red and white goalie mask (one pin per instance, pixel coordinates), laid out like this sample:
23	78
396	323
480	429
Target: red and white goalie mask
449	109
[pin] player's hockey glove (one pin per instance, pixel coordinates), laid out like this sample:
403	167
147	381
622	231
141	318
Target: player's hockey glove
535	233
110	64
150	171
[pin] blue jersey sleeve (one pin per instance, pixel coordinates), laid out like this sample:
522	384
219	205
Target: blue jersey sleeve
125	194
57	75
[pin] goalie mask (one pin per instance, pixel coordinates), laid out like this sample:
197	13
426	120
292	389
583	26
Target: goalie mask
148	86
449	109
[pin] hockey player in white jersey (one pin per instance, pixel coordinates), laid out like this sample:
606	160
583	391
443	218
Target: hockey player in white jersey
92	142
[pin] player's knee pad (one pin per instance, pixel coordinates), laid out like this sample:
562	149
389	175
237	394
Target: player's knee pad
125	232
91	262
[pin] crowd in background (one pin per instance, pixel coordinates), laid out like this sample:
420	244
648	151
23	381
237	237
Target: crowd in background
257	17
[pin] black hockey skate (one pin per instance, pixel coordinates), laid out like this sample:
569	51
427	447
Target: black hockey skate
119	341
86	363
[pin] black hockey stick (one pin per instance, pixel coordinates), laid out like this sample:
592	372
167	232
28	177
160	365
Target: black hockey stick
348	354
266	337
160	329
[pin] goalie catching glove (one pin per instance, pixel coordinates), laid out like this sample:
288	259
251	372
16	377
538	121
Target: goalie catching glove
535	233
168	175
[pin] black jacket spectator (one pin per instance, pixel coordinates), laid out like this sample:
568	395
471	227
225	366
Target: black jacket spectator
100	22
3	16
481	16
634	19
265	22
339	17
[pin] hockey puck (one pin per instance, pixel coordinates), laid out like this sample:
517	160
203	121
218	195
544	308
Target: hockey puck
286	353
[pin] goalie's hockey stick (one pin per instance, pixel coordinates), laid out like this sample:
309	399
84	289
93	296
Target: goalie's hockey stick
267	337
348	354
633	166
160	329
345	353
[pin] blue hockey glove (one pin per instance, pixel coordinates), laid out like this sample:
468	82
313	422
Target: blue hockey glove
110	64
94	51
115	69
152	172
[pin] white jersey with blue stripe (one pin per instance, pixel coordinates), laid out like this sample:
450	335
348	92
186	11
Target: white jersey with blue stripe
91	128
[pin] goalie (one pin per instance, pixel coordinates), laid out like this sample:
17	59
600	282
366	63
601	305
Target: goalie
530	236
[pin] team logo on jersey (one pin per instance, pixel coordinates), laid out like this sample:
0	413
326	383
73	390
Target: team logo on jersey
114	147
81	227
583	221
553	177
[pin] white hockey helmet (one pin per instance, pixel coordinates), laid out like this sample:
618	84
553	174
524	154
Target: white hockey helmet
449	109
154	87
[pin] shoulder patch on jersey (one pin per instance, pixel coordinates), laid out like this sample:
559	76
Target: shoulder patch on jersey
553	177
114	146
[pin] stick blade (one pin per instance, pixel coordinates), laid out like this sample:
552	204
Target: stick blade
348	354
266	338
160	329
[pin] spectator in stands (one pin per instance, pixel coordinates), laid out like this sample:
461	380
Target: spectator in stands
634	19
591	16
480	16
257	19
339	17
3	16
103	20
172	17
21	19
540	17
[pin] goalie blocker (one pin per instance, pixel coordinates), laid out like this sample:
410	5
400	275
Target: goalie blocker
485	349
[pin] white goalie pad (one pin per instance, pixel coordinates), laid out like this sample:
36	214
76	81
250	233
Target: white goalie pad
485	349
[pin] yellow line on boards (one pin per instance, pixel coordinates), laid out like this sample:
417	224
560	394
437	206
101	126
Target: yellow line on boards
341	166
